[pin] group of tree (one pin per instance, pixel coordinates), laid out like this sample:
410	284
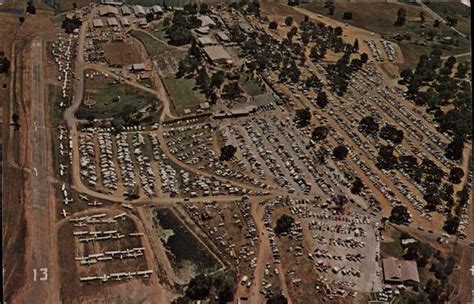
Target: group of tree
392	134
399	215
231	90
284	224
419	252
340	72
369	126
71	24
445	88
219	287
228	152
183	22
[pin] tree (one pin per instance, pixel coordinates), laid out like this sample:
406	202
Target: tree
231	90
347	16
364	58
293	2
451	224
338	31
386	159
436	23
401	17
30	8
217	79
406	76
340	203
203	9
199	287
322	100
149	17
4	64
118	123
368	126
455	175
273	25
399	215
455	148
228	152
289	21
166	21
302	117
422	17
21	19
340	152
203	80
320	133
391	133
284	224
357	186
355	47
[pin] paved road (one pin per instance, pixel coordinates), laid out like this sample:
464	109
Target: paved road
40	266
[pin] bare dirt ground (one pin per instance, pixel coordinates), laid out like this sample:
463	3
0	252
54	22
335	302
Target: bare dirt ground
121	53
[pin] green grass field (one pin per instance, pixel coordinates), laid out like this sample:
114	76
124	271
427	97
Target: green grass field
159	31
181	91
456	10
103	90
183	94
251	86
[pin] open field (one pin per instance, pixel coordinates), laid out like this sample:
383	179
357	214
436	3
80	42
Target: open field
72	269
105	92
456	10
121	54
379	17
251	86
182	91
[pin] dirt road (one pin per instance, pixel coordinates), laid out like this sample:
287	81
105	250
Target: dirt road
41	266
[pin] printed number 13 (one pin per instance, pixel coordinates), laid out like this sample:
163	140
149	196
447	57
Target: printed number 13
44	274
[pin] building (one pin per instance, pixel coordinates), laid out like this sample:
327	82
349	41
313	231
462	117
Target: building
109	2
400	271
203	30
204	105
112	22
206	41
245	27
108	11
143	23
139	11
125	22
138	67
217	54
157	10
222	37
206	21
97	23
126	11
